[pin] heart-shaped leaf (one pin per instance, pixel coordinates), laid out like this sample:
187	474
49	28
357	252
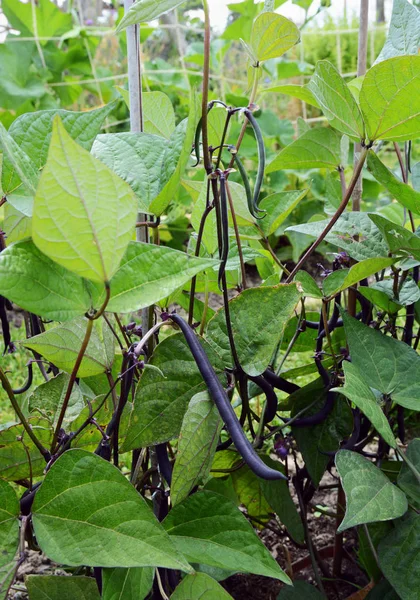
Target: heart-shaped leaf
272	35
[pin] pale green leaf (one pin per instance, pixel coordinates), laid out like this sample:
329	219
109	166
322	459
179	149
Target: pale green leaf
127	584
161	400
209	529
336	100
16	224
84	214
197	444
389	99
316	148
158	112
370	496
114	528
357	390
53	587
149	273
398	555
50	20
20	162
143	11
403	33
258	318
41	286
402	192
344	278
272	35
278	207
302	92
384	362
9	523
61	346
199	585
47	399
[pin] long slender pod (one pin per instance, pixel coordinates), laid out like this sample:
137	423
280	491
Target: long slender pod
270	397
223	404
261	157
224	228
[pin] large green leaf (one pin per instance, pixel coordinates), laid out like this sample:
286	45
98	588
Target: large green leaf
87	513
199	585
40	285
149	273
383	362
382	295
162	395
389	99
16	224
9	523
47	399
32	133
258	318
83	213
399	239
61	346
127	584
53	587
272	35
402	192
357	390
319	147
348	226
370	496
278	207
403	33
345	278
197	444
20	163
19	84
336	100
398	555
158	112
324	437
406	478
209	529
49	20
143	11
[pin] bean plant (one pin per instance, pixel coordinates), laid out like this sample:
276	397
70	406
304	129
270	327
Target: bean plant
158	416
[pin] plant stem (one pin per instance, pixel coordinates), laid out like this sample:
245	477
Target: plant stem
16	407
206	305
404	178
139	347
238	239
336	216
73	376
205	91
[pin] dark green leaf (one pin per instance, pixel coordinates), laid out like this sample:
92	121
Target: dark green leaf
199	585
53	587
300	590
47	399
127	584
9	523
406	478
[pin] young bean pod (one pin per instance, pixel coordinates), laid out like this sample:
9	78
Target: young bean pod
261	157
224	228
223	404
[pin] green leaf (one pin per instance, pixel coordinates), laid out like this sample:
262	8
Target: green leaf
403	33
209	529
197	444
41	286
319	147
150	273
15	446
114	528
399	239
250	494
50	20
9	523
300	590
161	400
272	35
258	318
389	100
382	294
345	278
16	224
308	284
370	496
302	92
61	346
158	112
127	584
19	84
402	192
336	100
20	162
384	362
144	11
398	556
32	133
47	399
348	226
199	585
53	587
357	390
406	478
83	213
325	437
278	207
